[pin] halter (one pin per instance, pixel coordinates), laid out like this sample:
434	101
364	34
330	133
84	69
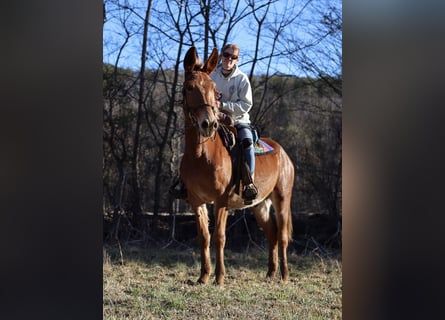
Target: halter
191	113
201	106
192	117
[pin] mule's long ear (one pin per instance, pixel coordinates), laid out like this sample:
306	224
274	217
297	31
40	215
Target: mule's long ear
212	62
190	60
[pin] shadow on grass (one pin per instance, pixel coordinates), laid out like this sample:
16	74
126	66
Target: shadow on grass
149	255
254	259
246	247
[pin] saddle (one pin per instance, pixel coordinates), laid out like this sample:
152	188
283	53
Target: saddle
240	169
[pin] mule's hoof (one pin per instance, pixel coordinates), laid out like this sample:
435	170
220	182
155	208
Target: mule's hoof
202	280
219	283
191	283
285	278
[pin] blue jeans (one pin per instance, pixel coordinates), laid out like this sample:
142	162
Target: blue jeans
246	138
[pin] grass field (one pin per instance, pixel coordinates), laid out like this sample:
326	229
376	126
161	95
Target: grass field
141	283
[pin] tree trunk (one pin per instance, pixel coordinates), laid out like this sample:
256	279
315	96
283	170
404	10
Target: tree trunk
136	205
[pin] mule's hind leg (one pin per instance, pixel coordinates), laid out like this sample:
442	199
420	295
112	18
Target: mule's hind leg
267	223
284	226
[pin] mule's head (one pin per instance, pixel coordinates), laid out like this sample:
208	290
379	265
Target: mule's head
199	92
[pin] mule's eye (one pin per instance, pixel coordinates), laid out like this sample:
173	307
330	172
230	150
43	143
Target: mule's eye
189	88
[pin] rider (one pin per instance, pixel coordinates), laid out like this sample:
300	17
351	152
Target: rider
234	96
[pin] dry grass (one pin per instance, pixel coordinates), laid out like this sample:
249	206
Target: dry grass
160	284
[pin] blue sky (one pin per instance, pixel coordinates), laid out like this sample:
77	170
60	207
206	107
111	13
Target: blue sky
243	35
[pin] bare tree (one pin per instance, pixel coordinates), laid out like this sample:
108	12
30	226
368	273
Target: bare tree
170	88
294	65
137	207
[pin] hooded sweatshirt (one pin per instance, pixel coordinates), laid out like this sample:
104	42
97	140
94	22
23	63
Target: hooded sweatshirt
236	94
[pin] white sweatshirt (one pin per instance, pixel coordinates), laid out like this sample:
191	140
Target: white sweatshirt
236	93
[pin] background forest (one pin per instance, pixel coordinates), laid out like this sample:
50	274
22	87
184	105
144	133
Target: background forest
291	52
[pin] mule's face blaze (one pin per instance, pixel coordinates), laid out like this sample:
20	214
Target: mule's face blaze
200	103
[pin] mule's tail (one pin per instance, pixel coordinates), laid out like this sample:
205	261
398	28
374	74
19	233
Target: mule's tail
289	171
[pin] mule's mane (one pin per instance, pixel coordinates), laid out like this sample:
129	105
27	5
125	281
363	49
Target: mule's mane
198	69
192	75
198	66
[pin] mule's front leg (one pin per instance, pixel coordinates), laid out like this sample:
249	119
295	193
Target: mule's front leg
202	225
219	240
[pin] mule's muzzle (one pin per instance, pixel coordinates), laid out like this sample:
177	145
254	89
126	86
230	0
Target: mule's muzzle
208	127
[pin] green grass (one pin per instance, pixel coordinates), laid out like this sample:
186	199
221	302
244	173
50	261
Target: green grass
161	284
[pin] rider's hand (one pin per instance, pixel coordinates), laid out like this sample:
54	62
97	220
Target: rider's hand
218	95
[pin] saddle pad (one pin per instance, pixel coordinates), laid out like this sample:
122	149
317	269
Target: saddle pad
262	147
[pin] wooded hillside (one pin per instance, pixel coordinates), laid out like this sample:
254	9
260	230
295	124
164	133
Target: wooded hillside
304	115
143	127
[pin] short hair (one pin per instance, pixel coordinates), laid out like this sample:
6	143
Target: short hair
233	46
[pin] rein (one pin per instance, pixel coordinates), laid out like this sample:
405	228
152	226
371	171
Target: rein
195	122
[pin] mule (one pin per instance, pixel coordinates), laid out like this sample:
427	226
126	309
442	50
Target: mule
206	170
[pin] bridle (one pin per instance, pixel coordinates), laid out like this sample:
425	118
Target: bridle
194	121
192	116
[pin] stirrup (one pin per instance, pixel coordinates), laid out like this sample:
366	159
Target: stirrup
250	193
